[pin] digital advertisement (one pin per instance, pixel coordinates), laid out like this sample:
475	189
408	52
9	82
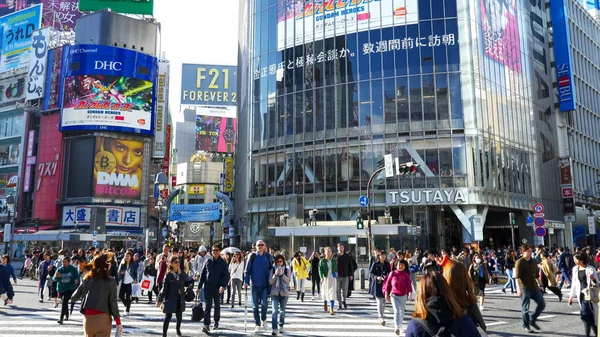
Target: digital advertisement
108	89
118	168
215	134
145	7
501	32
17	30
320	19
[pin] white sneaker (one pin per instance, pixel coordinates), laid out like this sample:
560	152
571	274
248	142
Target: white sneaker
264	325
257	329
312	298
274	333
281	331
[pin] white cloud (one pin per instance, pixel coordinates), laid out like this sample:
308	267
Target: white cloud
197	31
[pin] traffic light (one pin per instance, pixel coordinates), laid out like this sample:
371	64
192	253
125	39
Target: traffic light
408	168
359	223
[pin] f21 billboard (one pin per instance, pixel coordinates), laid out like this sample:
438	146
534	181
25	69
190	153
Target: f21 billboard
108	89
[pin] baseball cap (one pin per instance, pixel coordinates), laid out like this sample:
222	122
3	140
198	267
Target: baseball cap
202	249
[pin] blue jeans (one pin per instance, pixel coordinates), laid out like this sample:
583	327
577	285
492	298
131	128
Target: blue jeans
511	281
564	275
527	296
279	304
259	296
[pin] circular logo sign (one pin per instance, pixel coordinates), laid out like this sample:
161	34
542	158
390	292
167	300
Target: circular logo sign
195	228
105	162
177	216
538	208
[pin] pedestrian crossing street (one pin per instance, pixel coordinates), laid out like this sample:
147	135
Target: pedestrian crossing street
302	319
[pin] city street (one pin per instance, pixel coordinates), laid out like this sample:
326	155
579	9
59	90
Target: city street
28	317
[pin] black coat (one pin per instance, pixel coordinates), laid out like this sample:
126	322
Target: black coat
378	269
214	275
173	291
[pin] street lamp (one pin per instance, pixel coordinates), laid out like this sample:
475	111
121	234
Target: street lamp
589	196
161	181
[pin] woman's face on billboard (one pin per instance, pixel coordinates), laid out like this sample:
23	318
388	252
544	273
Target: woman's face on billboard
129	155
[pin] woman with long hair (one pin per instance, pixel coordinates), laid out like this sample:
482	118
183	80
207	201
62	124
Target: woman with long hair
314	271
378	272
280	291
583	277
300	268
328	275
398	290
549	272
172	296
150	271
99	304
461	286
509	264
480	276
128	275
436	310
236	276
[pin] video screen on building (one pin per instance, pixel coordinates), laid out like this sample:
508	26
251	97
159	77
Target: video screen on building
118	168
215	134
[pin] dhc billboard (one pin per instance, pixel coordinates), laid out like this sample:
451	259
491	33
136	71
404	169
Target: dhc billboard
562	55
108	88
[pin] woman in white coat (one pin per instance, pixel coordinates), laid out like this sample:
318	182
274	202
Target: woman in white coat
584	275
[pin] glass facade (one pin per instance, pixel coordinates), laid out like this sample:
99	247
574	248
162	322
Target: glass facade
451	85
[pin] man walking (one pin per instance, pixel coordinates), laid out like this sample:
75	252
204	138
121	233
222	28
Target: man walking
214	278
258	270
345	274
528	278
43	275
564	267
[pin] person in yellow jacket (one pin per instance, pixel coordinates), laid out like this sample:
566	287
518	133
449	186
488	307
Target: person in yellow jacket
301	266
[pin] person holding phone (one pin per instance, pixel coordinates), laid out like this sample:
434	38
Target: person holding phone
280	292
236	275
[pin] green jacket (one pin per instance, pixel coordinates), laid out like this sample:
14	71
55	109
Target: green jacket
323	270
66	281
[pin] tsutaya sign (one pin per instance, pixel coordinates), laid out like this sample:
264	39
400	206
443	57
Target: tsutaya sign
436	196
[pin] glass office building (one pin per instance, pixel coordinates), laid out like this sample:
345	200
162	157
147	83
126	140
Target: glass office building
462	88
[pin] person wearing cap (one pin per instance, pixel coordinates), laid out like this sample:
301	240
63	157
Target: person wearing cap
198	265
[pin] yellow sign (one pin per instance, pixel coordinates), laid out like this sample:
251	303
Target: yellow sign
195	189
228	175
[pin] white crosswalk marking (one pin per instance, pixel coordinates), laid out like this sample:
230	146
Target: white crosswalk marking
302	319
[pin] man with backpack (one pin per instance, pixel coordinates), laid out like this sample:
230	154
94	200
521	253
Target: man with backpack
258	270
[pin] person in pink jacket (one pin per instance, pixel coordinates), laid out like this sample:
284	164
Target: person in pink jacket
398	289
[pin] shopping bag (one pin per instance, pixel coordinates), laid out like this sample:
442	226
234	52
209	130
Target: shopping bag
147	283
197	311
136	290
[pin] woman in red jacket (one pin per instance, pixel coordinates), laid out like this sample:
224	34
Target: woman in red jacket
398	289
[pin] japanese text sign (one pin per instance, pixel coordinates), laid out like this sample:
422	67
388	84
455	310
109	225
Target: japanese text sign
38	64
115	216
61	14
17	29
196	212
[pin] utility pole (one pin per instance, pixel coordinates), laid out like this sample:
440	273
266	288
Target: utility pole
512	221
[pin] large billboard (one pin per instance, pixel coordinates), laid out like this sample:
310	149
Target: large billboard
109	89
118	168
501	32
61	15
212	89
52	97
320	19
144	7
17	29
49	169
215	134
562	55
162	106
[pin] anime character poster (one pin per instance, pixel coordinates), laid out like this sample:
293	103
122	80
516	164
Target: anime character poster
104	102
501	32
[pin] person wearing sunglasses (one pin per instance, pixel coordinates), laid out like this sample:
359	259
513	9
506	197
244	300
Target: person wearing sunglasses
214	278
258	269
172	296
280	292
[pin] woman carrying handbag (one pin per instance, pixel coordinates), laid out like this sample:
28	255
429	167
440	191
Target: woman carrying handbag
378	272
172	296
584	288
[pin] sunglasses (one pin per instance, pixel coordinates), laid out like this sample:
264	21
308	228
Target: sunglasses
215	250
262	244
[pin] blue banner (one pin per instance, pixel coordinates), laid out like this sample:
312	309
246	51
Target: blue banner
17	29
562	55
196	213
109	89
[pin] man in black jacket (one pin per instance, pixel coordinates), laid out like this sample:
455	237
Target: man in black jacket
564	267
345	275
214	278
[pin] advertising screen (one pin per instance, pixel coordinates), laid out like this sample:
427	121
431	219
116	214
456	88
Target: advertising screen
118	168
321	19
125	7
17	29
215	134
108	88
501	32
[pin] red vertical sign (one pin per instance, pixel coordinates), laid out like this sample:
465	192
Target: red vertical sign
167	158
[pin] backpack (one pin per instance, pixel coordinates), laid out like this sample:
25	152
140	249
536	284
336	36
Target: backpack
251	264
435	330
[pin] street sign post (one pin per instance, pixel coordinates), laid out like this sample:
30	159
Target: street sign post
591	225
540	231
389	166
363	201
529	219
538	208
539	222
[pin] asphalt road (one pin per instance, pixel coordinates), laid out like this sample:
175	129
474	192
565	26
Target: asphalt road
28	317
